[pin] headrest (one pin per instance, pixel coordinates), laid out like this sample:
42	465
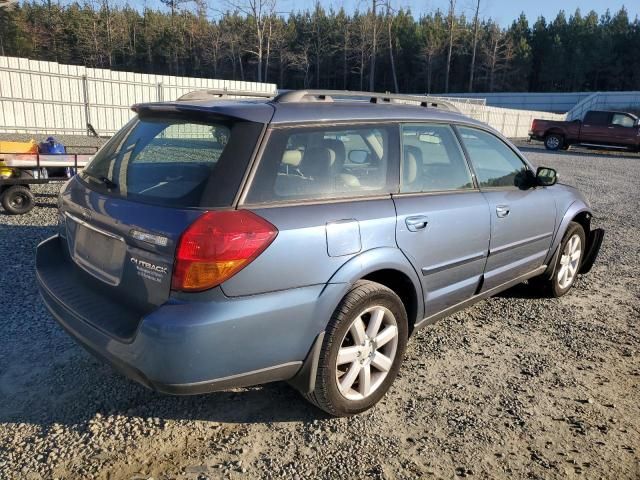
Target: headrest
338	151
316	163
412	167
292	157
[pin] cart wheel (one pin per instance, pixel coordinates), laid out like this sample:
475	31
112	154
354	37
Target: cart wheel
18	199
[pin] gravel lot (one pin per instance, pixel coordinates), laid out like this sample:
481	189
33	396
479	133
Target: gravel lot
515	387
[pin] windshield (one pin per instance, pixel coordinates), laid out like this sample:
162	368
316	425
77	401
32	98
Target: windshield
175	160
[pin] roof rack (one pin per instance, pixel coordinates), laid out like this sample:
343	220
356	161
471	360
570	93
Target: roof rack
214	93
294	96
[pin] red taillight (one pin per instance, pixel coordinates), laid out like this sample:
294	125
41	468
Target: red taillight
217	246
534	124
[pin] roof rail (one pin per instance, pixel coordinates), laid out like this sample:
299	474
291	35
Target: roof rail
294	96
213	93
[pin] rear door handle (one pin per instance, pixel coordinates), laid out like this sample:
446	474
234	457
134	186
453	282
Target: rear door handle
416	223
502	211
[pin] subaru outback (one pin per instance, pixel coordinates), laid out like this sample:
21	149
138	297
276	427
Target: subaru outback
216	243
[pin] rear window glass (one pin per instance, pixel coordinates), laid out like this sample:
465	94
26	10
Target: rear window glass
175	161
432	160
596	118
322	163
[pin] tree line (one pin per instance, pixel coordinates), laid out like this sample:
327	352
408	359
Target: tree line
382	48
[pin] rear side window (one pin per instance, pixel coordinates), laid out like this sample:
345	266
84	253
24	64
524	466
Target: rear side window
432	160
324	163
596	118
495	164
175	161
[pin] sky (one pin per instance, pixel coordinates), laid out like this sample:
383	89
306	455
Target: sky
502	11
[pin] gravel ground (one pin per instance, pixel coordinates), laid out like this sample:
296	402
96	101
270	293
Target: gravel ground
514	387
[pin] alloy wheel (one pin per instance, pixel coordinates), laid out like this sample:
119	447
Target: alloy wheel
569	261
366	353
553	142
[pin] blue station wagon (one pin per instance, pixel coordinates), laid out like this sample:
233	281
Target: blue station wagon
216	243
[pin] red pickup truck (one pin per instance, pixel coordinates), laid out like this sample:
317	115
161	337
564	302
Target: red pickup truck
598	129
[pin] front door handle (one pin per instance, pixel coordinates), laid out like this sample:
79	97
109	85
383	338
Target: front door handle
416	223
502	211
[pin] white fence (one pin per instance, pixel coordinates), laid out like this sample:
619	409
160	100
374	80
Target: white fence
510	122
558	102
51	98
47	97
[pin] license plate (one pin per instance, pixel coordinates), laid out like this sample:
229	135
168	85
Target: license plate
100	254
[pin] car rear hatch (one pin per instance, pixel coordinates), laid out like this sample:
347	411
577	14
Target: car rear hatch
122	217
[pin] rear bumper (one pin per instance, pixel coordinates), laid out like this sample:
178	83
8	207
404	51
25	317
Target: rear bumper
536	135
201	346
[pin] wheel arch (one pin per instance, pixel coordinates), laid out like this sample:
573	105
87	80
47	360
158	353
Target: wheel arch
555	131
385	265
578	212
402	285
389	267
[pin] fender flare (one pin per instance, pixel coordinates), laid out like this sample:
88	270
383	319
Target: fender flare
575	209
382	258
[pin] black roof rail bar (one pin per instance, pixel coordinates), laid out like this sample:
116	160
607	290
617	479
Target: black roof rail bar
213	93
294	96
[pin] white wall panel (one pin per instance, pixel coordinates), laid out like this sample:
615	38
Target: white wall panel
49	98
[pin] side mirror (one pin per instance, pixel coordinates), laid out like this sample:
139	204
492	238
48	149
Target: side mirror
358	156
546	176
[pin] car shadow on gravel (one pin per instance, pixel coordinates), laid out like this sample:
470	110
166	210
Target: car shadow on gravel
522	290
95	393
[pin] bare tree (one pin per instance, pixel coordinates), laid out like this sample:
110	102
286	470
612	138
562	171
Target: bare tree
276	36
389	21
474	47
499	52
451	26
374	45
260	13
301	60
269	35
344	26
434	42
362	46
233	37
5	6
322	47
174	5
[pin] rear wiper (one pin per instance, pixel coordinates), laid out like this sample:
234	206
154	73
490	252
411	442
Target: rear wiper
102	179
108	182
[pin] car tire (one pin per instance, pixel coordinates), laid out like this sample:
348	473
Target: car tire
355	369
18	200
553	141
566	267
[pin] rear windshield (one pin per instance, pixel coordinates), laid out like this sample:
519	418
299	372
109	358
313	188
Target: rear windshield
175	160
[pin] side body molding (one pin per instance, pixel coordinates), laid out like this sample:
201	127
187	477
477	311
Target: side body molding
382	258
